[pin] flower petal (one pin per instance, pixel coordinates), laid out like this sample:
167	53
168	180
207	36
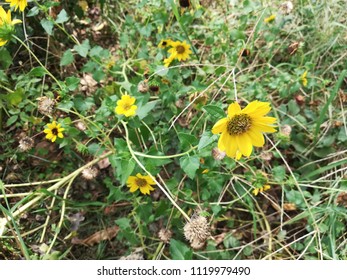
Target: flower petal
233	109
220	126
244	144
257	138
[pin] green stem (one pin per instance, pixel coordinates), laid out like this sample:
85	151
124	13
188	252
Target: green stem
150	175
38	61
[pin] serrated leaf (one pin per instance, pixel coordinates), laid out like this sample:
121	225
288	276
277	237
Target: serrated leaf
214	111
187	139
83	48
47	25
72	83
62	17
14	98
67	58
189	165
180	251
143	111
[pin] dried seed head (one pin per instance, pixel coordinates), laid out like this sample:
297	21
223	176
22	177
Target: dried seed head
342	199
197	231
217	154
287	7
89	173
26	143
81	126
46	105
286	130
165	235
267	156
143	87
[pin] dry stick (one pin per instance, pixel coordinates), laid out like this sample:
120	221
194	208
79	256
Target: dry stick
4	221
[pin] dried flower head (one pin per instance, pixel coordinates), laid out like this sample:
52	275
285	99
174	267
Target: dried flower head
287	7
165	235
90	173
197	230
136	255
46	105
218	154
286	130
81	126
143	87
26	143
342	199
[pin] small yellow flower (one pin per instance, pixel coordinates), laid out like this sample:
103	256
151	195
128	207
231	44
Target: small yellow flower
205	171
18	3
53	131
243	129
6	26
270	19
180	50
303	79
142	182
165	43
125	106
264	188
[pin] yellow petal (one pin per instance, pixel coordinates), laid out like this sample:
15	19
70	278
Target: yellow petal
264	128
257	138
244	144
220	126
233	109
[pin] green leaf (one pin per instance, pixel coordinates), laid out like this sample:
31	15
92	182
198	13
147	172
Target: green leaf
215	111
279	173
206	139
38	72
67	58
83	49
189	165
72	83
33	12
16	97
326	106
12	120
6	58
143	111
187	139
161	70
47	25
180	251
62	17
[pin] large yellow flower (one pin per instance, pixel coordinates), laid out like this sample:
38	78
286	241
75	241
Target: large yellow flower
53	131
6	26
243	129
18	3
180	50
140	182
125	106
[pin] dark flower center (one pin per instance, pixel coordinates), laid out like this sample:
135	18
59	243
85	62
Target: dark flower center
180	49
239	124
126	107
140	182
164	43
55	131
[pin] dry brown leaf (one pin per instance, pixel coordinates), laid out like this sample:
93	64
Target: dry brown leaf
106	234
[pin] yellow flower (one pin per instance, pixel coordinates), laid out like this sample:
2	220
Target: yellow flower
18	3
53	131
303	79
142	182
6	26
165	43
168	60
180	50
270	19
264	188
126	106
243	129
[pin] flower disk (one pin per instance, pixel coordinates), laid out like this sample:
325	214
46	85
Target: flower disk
140	182
53	131
21	4
126	106
180	50
165	43
243	129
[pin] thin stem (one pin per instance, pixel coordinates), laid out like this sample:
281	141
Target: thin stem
150	175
